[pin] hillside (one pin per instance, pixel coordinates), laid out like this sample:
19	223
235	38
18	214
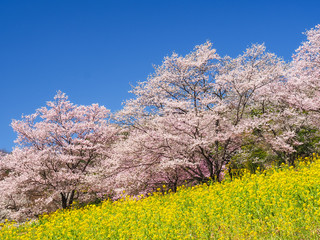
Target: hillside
280	203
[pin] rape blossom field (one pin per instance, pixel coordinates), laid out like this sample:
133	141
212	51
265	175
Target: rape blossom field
280	203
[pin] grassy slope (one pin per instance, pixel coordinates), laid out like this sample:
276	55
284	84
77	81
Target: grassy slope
278	204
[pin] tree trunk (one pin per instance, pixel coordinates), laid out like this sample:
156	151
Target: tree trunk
67	199
63	200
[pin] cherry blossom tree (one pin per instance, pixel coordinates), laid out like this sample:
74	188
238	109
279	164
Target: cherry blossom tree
302	91
61	150
189	118
304	75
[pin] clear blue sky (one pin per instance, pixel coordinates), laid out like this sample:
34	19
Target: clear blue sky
94	50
